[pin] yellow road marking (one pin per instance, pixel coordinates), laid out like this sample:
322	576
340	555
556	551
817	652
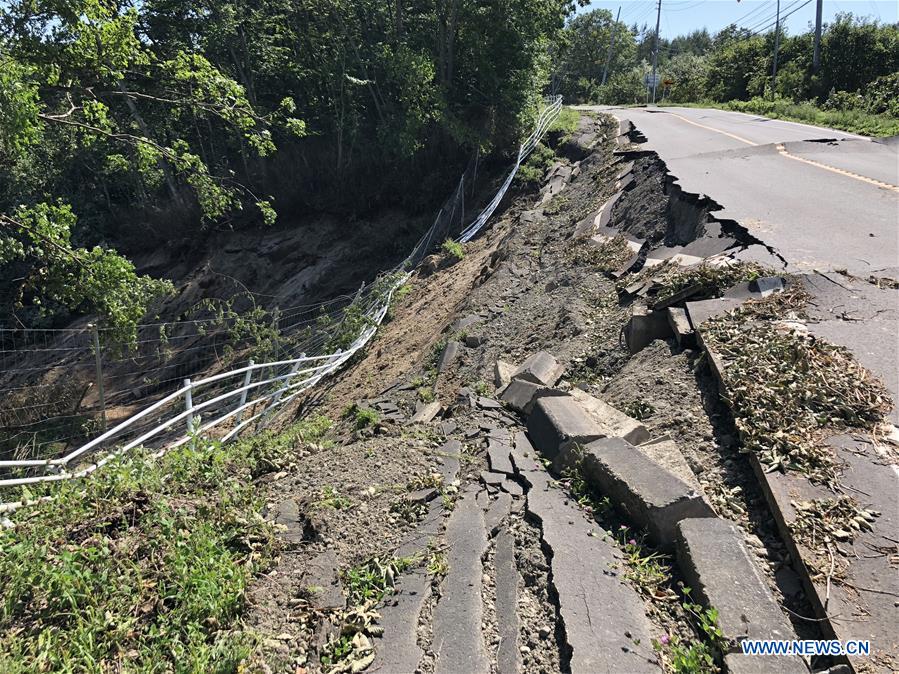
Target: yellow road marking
784	153
843	172
711	128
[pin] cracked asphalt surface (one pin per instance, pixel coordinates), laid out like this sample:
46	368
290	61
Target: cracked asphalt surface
822	205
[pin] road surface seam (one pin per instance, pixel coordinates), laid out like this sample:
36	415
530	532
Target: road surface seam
849	174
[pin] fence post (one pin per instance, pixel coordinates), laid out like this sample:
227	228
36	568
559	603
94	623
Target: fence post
189	405
280	392
95	333
243	396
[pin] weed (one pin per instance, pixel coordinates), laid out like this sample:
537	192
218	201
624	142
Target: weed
453	249
426	394
437	566
694	656
362	417
565	124
402	292
374	580
531	172
481	387
638	409
331	498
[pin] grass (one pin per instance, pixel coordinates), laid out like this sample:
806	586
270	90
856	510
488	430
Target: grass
144	567
362	417
453	249
853	121
566	123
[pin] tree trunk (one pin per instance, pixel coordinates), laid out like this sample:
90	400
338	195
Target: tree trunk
161	162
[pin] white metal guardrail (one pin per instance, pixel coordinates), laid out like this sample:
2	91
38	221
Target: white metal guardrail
229	396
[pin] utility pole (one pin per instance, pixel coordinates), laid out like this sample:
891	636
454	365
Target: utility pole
655	52
605	71
776	48
816	58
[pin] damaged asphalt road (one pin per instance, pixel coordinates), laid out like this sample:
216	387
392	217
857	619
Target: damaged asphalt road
822	205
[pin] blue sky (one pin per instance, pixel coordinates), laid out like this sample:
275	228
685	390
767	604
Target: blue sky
682	16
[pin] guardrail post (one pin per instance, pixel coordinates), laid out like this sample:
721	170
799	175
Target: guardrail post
280	392
189	405
101	391
243	396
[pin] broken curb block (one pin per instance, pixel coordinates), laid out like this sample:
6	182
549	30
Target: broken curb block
680	326
557	423
612	422
665	452
644	327
521	395
716	565
502	373
450	351
540	368
426	414
738	663
654	498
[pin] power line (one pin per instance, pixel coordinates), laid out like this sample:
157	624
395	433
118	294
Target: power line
760	7
783	16
768	18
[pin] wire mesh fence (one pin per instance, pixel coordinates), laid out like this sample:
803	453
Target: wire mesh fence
72	400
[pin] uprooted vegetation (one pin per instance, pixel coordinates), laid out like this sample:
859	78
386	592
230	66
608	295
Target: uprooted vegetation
824	526
703	280
787	388
144	566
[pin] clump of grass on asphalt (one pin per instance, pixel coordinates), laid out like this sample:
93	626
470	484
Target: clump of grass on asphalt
144	566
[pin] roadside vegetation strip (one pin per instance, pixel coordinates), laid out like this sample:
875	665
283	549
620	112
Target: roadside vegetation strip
787	389
145	567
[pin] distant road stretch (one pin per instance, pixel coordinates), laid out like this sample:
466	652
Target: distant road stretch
821	205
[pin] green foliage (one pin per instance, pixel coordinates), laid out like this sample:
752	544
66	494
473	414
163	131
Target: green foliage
60	274
859	70
373	580
565	124
362	417
144	567
453	250
530	173
156	120
849	119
